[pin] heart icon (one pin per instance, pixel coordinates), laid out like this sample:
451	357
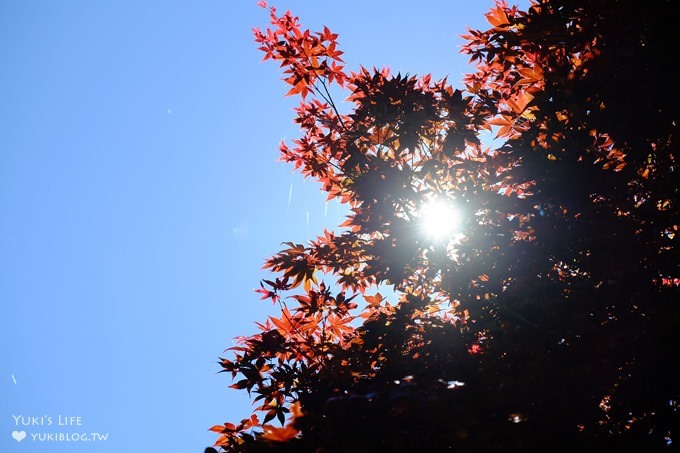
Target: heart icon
19	435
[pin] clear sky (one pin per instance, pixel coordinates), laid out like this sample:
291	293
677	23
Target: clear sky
140	194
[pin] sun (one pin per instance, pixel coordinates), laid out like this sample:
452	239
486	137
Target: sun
440	220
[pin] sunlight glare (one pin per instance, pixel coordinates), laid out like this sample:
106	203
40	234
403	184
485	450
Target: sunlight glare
439	220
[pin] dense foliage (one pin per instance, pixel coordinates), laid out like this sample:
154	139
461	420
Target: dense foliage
549	320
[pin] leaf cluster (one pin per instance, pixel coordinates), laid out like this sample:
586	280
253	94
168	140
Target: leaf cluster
552	317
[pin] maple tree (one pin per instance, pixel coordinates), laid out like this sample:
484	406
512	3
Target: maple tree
550	319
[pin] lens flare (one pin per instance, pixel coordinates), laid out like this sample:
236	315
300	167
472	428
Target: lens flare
440	220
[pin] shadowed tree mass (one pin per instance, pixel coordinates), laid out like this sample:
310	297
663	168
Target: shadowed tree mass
548	317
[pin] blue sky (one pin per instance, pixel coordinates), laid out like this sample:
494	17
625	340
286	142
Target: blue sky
140	194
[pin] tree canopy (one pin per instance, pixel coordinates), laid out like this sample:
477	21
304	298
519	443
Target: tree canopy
547	315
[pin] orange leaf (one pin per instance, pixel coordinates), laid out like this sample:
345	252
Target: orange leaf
503	120
374	300
530	75
520	102
497	17
296	409
223	428
276	434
